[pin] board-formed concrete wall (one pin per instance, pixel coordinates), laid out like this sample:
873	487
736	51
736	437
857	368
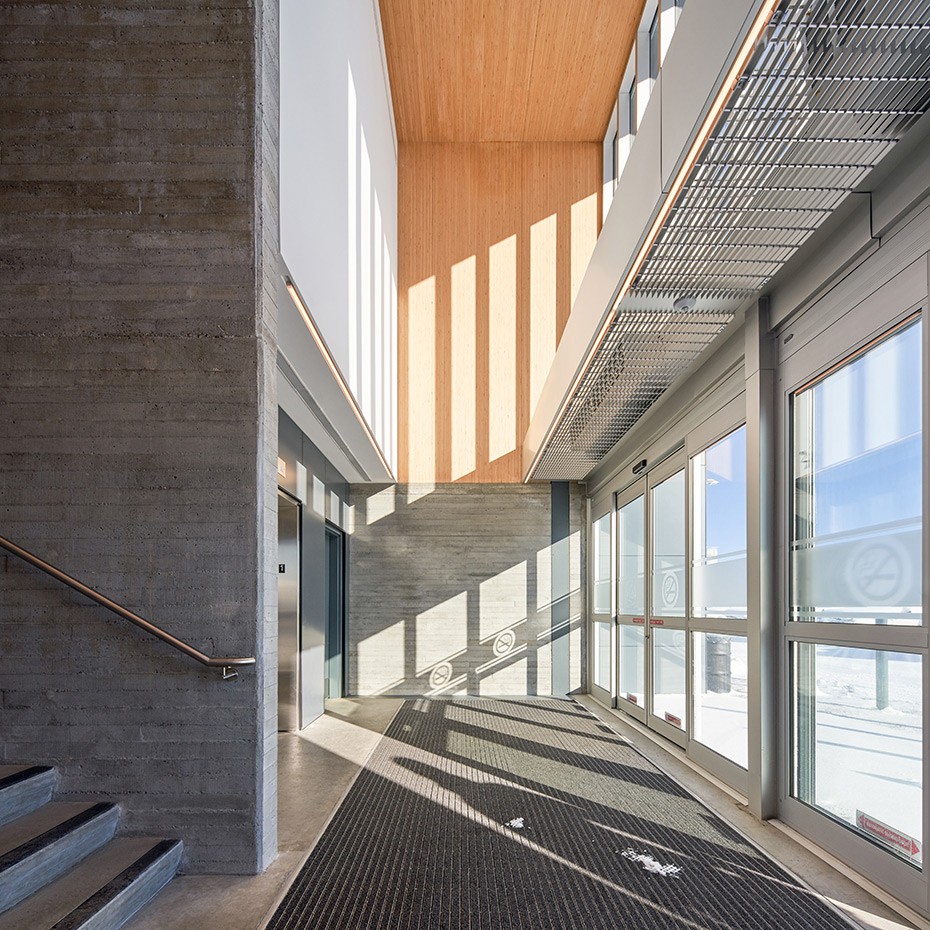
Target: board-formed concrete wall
451	589
138	437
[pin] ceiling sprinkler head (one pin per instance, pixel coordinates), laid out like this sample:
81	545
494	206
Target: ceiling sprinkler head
684	304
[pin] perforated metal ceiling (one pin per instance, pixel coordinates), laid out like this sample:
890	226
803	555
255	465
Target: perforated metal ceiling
829	91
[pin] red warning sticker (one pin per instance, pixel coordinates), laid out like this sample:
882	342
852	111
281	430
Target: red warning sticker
632	697
895	838
671	718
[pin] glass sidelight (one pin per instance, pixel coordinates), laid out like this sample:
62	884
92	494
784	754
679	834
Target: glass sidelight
600	607
631	554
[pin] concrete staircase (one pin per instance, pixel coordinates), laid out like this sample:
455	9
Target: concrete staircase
62	868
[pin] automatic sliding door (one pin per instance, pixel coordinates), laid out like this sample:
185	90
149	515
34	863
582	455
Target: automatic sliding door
668	651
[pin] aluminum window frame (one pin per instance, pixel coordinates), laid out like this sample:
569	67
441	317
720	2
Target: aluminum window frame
808	349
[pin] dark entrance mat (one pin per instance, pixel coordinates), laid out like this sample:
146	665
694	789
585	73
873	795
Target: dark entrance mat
531	814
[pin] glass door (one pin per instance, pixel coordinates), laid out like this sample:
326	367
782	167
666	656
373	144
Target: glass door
631	600
602	623
666	653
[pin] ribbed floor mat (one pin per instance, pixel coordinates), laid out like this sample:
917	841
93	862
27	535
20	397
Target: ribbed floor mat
530	814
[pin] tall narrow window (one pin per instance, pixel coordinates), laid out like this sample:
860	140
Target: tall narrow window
654	47
615	153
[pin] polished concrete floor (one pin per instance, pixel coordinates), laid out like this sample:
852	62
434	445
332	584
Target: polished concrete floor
315	769
317	766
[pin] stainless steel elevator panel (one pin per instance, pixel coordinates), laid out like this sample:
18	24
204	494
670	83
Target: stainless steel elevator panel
288	612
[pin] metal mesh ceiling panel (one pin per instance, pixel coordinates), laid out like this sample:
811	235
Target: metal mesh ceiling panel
830	89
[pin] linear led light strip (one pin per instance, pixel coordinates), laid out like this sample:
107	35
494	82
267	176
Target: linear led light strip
720	101
334	368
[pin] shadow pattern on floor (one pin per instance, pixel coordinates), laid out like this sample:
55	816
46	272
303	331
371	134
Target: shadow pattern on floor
498	815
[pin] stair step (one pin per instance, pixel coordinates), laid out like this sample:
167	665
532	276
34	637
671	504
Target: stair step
102	891
39	847
24	789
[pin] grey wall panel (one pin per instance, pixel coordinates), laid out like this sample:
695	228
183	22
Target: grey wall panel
451	589
138	432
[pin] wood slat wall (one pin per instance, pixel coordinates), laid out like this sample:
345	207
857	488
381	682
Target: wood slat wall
493	241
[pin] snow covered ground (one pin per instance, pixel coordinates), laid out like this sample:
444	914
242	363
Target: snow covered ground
869	759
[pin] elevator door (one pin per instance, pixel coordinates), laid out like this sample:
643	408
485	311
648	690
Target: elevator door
335	610
288	611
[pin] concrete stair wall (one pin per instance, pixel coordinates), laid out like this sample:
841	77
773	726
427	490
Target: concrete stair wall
62	866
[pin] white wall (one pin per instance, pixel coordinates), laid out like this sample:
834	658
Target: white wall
339	194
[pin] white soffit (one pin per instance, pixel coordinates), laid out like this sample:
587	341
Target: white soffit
831	87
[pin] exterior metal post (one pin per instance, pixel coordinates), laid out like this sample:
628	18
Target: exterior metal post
761	430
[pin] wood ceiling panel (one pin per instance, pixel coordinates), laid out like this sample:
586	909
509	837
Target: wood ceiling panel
506	70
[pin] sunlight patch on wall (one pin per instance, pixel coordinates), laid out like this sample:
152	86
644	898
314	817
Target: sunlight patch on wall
362	386
319	497
502	600
543	293
441	632
464	386
543	578
381	660
502	348
352	217
380	505
584	238
421	378
420	490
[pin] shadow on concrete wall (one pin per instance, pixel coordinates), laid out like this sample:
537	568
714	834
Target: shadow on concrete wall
451	590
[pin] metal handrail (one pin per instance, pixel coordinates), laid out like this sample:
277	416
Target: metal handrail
227	665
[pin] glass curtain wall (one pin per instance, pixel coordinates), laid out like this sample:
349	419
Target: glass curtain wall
681	599
856	561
